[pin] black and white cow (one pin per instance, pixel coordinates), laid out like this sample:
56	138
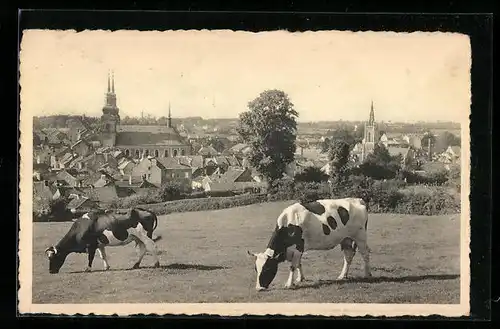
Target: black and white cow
97	230
318	225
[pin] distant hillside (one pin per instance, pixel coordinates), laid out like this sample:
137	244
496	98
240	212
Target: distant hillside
319	127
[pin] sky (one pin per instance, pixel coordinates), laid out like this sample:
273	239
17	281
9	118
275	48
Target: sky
328	75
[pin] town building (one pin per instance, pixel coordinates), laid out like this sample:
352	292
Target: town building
138	141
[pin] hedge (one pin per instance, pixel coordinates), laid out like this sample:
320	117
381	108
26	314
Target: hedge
202	204
381	196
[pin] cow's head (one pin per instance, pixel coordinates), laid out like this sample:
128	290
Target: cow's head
56	259
266	267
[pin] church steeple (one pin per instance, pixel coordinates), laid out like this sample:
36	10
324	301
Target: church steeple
169	120
371	120
109	88
110	110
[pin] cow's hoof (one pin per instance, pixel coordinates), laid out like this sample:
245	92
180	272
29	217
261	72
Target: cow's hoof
368	275
136	266
341	278
288	286
87	270
300	280
157	264
106	268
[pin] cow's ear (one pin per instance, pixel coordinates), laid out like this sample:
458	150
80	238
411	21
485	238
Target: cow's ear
50	252
133	213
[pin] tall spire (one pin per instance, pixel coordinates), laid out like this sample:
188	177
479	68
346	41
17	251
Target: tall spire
371	121
113	82
169	120
109	88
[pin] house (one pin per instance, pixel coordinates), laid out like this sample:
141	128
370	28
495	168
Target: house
81	205
454	151
233	175
71	192
104	196
45	190
68	179
125	167
103	181
451	155
81	147
196	163
54	137
159	171
240	149
207	151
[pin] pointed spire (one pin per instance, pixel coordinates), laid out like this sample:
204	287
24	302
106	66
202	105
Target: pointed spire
371	120
113	82
109	87
169	120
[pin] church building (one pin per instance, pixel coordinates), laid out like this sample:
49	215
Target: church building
371	135
138	141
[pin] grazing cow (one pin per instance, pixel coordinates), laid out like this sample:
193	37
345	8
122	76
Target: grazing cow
318	225
96	230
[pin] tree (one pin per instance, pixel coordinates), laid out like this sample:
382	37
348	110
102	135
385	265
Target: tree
380	164
425	139
450	139
339	157
311	174
347	135
269	127
325	145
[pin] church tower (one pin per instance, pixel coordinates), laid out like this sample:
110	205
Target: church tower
169	119
110	118
371	134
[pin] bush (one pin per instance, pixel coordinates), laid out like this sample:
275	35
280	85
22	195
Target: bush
214	203
169	192
49	210
311	174
432	178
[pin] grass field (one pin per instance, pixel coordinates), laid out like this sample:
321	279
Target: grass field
415	259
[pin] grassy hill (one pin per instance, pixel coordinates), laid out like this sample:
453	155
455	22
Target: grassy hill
415	259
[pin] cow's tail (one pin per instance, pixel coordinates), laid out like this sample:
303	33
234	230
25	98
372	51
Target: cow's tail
155	225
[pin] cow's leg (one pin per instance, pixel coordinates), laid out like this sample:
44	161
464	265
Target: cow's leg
91	254
102	254
365	252
349	251
151	247
295	263
300	274
142	252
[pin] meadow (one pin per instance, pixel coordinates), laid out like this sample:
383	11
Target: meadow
415	259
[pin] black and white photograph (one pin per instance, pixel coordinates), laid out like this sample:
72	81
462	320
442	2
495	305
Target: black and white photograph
231	172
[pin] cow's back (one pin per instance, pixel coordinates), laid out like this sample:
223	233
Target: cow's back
325	231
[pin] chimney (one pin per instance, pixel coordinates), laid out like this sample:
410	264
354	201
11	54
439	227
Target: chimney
46	183
129	179
153	161
103	177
